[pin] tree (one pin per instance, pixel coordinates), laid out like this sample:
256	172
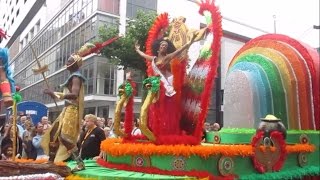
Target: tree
122	52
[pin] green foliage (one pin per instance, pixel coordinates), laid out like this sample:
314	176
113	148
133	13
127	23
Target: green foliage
122	52
17	97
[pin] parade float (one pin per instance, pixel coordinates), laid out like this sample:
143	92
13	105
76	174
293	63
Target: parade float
271	124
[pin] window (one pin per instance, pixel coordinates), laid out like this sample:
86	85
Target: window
12	21
109	80
89	110
133	6
37	27
110	6
103	111
17	1
25	41
17	13
25	1
31	33
20	45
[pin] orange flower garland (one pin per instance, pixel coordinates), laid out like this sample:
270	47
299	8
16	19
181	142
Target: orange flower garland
116	147
39	161
297	148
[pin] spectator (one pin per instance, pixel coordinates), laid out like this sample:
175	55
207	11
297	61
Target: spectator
100	123
7	151
206	126
103	121
22	121
8	141
90	140
36	141
29	151
45	122
107	131
136	131
3	129
214	127
110	123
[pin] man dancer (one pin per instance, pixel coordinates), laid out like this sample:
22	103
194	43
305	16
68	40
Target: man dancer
59	142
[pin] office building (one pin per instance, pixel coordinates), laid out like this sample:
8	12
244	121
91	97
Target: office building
77	22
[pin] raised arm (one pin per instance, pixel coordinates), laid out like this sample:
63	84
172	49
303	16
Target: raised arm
142	54
180	50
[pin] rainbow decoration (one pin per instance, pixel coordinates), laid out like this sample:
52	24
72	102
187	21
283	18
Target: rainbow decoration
273	74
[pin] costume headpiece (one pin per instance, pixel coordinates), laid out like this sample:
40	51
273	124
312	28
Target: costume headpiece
88	49
76	60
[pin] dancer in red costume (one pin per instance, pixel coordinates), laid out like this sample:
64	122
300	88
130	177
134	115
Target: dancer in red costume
165	52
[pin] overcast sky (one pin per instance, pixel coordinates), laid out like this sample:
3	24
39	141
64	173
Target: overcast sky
294	18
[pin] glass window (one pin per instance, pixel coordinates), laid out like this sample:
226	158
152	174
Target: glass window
110	6
133	6
103	111
89	110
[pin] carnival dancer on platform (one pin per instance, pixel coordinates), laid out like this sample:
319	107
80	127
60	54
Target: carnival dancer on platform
165	52
59	142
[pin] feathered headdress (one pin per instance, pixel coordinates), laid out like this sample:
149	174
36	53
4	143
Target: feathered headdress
88	49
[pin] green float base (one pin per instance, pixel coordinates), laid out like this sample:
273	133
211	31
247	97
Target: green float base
218	165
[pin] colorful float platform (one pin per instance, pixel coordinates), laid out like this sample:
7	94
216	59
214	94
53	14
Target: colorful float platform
228	154
270	76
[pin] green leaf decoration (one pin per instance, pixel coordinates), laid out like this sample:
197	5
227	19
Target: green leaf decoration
128	89
155	83
17	97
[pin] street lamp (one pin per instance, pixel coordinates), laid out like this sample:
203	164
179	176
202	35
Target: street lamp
274	23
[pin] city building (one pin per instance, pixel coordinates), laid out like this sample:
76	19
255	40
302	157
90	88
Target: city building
77	22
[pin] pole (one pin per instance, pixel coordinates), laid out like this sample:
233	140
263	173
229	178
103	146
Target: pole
42	72
274	24
14	126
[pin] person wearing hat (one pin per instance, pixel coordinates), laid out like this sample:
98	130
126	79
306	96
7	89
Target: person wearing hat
271	123
59	142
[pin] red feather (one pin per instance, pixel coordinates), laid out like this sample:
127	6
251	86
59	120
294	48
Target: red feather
128	120
155	32
99	46
3	34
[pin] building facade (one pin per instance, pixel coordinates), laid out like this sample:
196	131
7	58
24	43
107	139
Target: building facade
76	23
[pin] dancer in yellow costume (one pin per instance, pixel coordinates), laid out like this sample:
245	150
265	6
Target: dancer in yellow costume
59	142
